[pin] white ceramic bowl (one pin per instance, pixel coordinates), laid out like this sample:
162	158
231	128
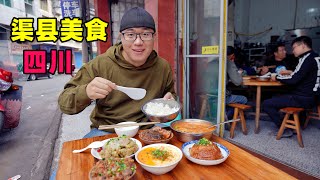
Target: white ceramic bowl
162	169
128	131
186	146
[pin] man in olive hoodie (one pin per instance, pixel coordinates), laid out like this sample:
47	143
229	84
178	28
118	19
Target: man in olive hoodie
131	63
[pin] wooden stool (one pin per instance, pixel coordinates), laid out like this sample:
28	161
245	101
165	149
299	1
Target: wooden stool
238	111
312	115
292	124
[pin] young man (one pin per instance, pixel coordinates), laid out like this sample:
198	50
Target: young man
235	77
131	63
303	81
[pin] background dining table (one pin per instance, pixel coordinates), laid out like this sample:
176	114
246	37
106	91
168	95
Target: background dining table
253	81
239	165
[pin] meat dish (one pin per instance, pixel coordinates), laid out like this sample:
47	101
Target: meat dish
205	150
155	134
119	147
113	169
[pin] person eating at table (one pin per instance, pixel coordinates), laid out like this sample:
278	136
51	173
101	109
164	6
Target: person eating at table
279	59
303	82
235	77
130	63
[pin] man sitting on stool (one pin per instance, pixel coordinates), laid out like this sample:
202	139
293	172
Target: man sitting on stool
233	75
303	82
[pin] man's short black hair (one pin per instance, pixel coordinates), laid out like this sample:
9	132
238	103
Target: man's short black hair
230	50
275	47
304	40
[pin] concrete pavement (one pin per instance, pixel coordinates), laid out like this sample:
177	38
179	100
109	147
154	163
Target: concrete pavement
71	127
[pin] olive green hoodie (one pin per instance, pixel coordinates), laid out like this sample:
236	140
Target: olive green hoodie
155	76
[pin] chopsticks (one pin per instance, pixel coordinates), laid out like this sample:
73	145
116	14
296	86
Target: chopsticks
103	127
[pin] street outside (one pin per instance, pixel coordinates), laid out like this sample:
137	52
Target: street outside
28	150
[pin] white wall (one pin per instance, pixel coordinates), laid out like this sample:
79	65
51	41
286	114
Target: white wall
255	16
7	13
230	30
17	10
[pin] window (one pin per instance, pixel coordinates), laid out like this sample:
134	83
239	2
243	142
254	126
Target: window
6	2
28	6
44	5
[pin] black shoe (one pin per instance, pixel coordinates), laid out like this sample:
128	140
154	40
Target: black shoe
286	133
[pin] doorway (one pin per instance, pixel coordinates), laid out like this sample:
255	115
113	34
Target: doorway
205	37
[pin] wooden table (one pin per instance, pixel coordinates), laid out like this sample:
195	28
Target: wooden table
255	82
239	165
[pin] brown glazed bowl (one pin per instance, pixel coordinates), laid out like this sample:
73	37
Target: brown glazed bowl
186	137
154	142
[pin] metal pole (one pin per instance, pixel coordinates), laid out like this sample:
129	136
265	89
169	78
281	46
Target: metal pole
85	56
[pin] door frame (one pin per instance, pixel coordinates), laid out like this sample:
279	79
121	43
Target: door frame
222	62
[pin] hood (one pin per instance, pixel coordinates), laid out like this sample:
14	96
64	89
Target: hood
114	53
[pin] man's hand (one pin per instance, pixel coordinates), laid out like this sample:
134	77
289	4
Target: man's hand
240	71
99	88
285	72
264	70
168	96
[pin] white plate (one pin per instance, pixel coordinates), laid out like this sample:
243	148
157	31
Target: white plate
96	154
186	146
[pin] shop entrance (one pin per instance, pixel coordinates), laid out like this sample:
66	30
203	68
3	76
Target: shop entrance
203	58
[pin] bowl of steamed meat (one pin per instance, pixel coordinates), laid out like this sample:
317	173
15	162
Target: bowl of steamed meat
118	147
158	158
205	152
155	135
161	110
121	168
192	129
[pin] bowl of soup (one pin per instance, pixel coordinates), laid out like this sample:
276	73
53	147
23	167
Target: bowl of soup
192	129
159	158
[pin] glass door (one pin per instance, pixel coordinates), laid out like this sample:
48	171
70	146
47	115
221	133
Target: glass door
204	54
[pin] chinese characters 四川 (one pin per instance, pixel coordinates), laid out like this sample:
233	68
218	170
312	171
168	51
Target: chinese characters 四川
34	61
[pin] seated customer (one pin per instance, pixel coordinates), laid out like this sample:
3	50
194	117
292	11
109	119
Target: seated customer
303	82
279	58
235	77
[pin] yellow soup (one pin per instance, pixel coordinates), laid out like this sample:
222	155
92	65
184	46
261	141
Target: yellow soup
158	156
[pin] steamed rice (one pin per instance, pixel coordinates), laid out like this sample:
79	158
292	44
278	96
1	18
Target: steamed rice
160	109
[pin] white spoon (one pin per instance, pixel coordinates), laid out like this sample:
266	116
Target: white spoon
133	93
95	144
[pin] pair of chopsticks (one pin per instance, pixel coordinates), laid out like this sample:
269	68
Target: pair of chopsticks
104	127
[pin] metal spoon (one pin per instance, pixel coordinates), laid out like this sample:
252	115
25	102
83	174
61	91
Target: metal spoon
133	93
95	144
223	123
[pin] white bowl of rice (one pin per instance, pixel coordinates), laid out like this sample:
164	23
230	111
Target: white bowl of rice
161	110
